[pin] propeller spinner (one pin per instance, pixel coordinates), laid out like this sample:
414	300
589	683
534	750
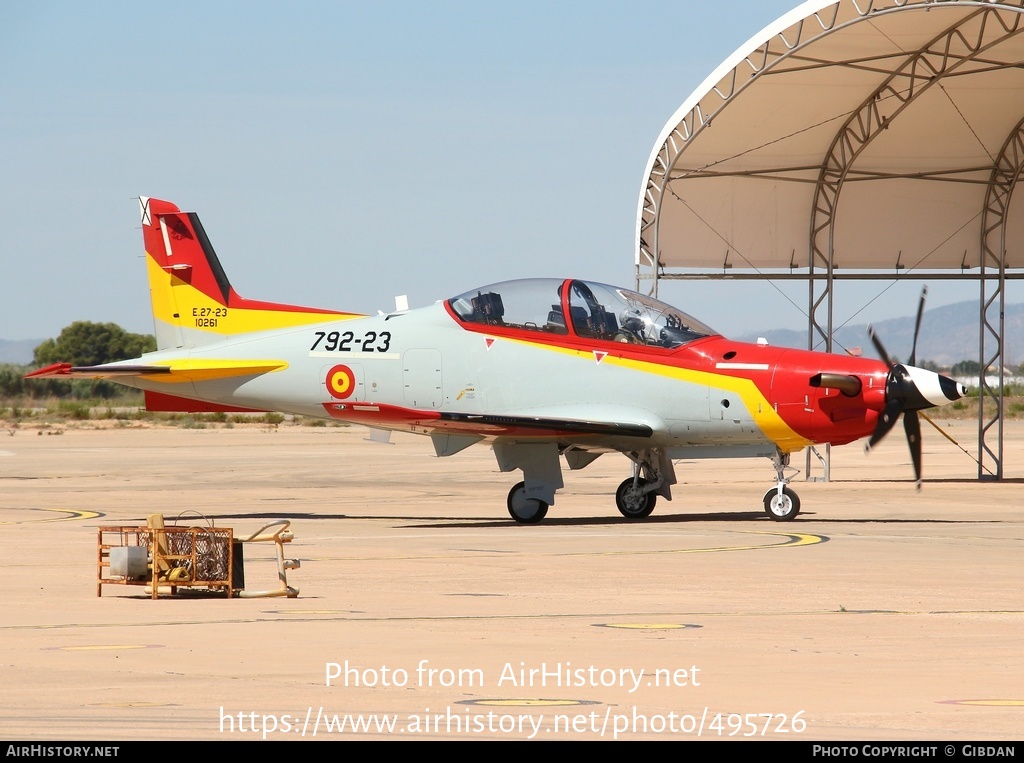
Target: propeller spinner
909	389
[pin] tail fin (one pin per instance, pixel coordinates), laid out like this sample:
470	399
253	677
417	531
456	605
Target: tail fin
193	302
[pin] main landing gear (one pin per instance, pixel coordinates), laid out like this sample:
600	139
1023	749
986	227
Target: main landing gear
526	511
635	499
781	503
528	501
652	475
632	500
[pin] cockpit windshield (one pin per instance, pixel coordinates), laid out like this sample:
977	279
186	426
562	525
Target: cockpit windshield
596	311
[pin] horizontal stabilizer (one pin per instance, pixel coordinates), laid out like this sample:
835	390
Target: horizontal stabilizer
169	372
94	372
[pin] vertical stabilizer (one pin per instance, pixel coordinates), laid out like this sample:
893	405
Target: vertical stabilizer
193	302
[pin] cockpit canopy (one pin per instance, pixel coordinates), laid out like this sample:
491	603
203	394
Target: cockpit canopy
596	311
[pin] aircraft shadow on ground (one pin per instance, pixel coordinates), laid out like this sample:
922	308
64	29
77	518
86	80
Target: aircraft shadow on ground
935	481
500	521
797	526
731	517
612	521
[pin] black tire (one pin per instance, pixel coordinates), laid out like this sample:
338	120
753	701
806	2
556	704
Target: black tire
784	508
632	502
525	511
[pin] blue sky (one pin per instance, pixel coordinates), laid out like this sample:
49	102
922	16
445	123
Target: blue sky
342	153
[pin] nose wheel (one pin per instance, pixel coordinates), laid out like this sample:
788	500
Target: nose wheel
525	511
781	508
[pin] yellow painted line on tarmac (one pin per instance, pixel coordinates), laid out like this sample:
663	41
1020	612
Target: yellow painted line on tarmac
136	624
527	702
790	540
987	702
134	704
649	626
73	515
358	617
103	647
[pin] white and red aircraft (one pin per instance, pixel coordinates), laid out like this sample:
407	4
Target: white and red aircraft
538	369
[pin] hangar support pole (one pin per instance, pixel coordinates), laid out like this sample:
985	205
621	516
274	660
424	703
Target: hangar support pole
815	332
1005	174
942	56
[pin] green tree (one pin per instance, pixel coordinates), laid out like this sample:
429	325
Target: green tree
11	383
84	343
966	368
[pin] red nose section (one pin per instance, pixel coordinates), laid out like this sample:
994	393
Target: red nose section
828	398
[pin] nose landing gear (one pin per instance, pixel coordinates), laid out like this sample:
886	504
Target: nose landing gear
783	506
780	502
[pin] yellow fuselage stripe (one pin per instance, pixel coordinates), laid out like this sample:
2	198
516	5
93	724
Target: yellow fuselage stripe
761	410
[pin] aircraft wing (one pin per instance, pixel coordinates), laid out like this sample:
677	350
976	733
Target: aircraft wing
170	371
475	421
396	417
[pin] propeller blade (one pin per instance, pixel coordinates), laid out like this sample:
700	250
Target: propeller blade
880	347
912	425
917	327
886	421
909	389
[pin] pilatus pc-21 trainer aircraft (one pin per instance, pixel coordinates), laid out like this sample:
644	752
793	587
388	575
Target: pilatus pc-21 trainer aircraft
538	369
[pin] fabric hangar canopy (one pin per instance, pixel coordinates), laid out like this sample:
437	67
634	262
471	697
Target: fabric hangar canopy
853	139
859	134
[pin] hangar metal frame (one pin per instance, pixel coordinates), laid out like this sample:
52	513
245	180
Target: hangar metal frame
971	40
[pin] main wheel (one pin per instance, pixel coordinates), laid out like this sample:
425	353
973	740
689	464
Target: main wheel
632	501
526	511
781	508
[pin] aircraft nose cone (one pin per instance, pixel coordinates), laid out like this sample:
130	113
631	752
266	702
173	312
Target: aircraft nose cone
920	388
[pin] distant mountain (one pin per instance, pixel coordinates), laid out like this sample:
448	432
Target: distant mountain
949	334
19	351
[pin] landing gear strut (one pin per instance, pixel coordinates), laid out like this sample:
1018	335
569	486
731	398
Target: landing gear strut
780	502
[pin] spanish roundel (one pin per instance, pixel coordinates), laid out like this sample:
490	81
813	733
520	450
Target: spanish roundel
341	382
